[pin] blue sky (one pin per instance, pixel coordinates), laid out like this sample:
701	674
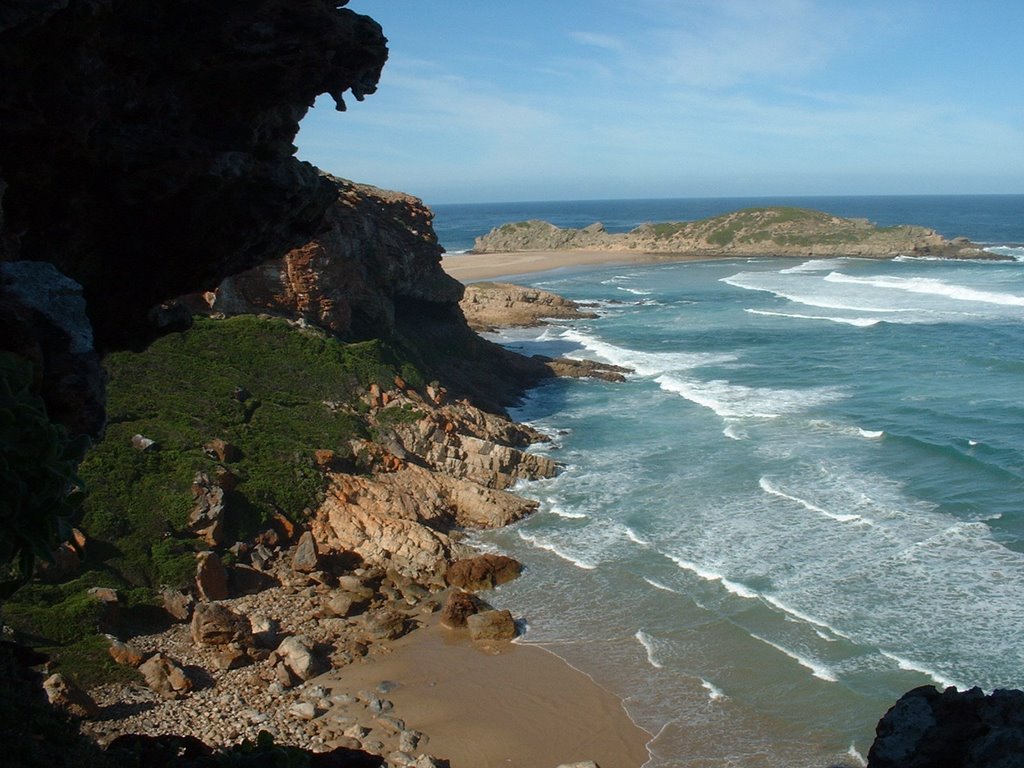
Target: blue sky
564	99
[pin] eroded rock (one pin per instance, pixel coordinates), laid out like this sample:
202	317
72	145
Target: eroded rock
68	697
166	676
216	624
491	625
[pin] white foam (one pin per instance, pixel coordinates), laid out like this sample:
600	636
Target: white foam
855	754
730	400
732	432
817	669
648	644
632	536
554	549
812	296
1015	252
567	514
857	322
814	265
635	291
714	692
806	618
913	666
931	286
644	363
870	434
735	588
768	487
662	587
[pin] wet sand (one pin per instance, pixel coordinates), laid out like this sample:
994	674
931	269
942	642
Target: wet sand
509	706
469	267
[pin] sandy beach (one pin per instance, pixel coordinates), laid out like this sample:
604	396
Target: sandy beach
507	706
470	267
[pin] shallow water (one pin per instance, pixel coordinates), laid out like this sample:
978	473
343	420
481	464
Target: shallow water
806	500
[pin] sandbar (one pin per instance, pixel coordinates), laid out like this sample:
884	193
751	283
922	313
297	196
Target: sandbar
506	706
470	267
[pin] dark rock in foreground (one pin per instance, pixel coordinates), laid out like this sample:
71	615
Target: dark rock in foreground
953	729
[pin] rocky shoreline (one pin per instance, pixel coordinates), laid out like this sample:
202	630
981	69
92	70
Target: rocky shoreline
381	557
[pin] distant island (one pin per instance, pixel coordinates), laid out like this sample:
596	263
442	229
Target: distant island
768	231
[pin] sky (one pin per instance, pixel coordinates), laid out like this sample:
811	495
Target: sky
487	101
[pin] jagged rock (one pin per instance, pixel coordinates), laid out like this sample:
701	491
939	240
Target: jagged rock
458	607
43	319
206	520
132	140
260	556
166	676
298	656
489	306
966	729
343	604
491	625
304	710
243	580
222	451
231	656
68	697
178	604
377	247
211	577
264	631
124	653
216	624
386	625
306	559
483	572
143	444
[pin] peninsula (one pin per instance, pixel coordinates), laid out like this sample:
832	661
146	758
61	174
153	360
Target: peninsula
768	231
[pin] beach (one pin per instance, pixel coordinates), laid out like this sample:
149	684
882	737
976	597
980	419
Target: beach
470	267
507	704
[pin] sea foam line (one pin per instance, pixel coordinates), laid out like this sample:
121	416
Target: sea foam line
555	550
737	589
857	322
930	286
648	644
632	536
767	487
912	666
567	514
662	587
819	670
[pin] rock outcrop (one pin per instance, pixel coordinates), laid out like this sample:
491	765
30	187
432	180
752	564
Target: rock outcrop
771	231
375	250
146	147
966	729
490	306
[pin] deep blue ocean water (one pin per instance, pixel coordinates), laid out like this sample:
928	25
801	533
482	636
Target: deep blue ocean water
807	499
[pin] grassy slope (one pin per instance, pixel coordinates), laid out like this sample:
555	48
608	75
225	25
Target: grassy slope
276	392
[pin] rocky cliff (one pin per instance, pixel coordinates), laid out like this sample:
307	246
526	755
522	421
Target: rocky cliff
775	231
146	146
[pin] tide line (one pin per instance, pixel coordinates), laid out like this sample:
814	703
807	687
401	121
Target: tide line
817	669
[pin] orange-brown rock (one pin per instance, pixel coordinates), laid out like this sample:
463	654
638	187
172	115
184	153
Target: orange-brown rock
484	572
458	607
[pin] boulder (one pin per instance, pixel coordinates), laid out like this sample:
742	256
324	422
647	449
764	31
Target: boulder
206	520
216	624
245	580
966	729
166	676
458	607
125	654
178	604
491	625
222	451
211	577
264	631
483	572
306	558
298	656
231	656
386	625
143	444
68	697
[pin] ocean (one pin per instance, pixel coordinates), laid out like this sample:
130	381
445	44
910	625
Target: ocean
808	498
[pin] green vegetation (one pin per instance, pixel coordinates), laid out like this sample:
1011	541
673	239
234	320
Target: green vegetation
37	474
275	392
668	229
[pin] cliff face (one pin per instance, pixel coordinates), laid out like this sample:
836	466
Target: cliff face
375	250
145	145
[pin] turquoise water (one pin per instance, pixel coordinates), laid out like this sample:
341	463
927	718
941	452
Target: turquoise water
805	501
